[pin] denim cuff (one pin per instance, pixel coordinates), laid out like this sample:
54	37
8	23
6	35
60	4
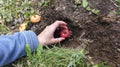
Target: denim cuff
31	39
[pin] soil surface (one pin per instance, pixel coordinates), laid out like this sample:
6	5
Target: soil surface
99	34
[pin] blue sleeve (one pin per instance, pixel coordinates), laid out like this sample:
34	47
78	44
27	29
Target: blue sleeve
13	46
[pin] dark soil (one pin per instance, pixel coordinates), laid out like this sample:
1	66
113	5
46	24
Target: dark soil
99	34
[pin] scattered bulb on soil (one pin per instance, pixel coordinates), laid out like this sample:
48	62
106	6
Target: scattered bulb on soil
22	27
35	19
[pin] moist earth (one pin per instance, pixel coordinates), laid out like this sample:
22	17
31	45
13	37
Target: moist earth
98	34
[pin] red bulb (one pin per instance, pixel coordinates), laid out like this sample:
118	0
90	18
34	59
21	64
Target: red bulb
64	33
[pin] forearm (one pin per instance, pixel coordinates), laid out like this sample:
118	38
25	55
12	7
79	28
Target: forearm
13	46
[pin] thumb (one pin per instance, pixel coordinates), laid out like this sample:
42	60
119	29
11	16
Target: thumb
57	40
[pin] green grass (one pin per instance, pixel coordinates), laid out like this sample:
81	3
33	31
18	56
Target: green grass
55	57
85	4
118	4
3	29
13	9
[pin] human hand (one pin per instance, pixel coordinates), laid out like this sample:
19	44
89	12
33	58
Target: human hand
47	35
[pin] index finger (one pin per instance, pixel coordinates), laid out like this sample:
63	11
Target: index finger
56	24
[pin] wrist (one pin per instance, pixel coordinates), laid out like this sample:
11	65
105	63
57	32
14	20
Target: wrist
41	41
